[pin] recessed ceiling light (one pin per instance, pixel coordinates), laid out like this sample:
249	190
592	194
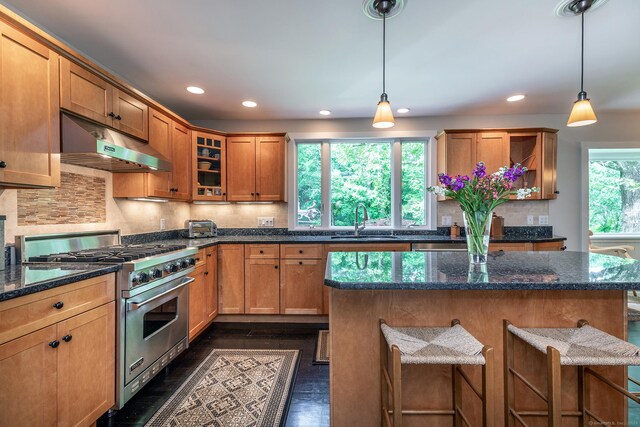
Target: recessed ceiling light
325	112
249	104
402	110
515	98
195	89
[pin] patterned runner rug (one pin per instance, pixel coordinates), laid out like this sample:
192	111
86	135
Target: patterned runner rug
233	388
321	356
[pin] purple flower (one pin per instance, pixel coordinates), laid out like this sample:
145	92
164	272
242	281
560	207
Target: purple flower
464	178
457	185
444	179
480	170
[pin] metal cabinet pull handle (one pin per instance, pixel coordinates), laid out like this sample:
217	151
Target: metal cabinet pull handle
275	266
118	117
54	344
300	262
111	114
206	273
137	305
3	164
301	251
261	252
67	338
58	305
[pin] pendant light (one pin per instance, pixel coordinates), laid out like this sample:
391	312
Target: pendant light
582	113
384	114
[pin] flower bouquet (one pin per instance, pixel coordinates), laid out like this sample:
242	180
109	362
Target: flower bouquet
478	196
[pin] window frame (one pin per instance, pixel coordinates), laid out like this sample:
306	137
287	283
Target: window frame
396	182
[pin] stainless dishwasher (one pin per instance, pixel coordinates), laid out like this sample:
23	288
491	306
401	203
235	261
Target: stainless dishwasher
439	247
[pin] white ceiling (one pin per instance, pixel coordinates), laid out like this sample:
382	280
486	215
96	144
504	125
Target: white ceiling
295	57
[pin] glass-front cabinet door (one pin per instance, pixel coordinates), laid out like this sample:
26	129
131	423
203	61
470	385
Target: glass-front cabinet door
209	172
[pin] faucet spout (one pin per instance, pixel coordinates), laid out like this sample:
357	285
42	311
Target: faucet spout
365	218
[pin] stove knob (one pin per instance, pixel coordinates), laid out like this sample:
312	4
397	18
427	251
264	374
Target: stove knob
192	261
168	268
184	263
156	273
177	266
143	277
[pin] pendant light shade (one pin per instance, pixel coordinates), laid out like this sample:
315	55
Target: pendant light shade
582	113
384	115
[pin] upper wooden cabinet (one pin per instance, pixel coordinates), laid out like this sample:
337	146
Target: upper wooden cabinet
88	95
209	166
255	168
460	150
29	112
173	141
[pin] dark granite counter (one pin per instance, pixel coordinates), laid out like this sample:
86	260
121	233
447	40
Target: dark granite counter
19	280
503	271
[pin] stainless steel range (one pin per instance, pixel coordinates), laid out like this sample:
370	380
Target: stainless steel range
153	314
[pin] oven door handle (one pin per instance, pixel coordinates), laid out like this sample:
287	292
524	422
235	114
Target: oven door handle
137	305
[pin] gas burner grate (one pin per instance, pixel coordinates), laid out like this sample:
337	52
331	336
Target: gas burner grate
110	254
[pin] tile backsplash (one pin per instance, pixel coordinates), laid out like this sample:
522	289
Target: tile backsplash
80	199
514	212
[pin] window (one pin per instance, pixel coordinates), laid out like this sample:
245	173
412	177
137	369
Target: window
614	190
333	177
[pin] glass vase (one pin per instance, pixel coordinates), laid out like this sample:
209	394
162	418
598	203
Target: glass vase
477	226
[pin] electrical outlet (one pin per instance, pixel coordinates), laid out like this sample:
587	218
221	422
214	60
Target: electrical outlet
446	220
529	219
543	219
163	223
265	221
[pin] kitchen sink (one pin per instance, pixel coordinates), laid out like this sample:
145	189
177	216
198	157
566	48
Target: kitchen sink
364	237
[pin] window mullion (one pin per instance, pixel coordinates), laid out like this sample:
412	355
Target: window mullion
396	184
326	184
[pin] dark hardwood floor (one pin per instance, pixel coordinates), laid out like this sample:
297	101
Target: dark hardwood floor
309	400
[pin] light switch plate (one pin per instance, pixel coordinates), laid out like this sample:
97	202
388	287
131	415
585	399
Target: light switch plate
265	221
163	223
543	219
529	219
446	220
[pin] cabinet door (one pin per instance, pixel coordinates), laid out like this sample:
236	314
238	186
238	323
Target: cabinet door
29	111
492	149
262	286
84	93
86	366
270	168
548	178
212	284
241	168
160	139
301	283
231	279
28	380
180	162
208	163
495	247
456	153
197	302
549	246
131	115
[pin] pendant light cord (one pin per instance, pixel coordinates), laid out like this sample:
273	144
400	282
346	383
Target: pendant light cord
582	58
384	42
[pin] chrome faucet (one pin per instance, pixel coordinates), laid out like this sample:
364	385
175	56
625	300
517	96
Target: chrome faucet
364	219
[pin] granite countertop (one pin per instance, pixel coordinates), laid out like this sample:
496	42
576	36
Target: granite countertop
19	280
503	271
304	239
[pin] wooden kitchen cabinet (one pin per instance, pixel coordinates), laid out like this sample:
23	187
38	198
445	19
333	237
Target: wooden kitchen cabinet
63	360
29	112
528	246
209	166
211	279
535	148
197	302
172	140
255	168
231	276
301	283
262	286
86	94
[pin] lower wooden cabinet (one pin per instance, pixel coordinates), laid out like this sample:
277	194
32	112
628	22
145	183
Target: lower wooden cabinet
262	286
231	279
63	374
301	283
212	284
527	246
203	292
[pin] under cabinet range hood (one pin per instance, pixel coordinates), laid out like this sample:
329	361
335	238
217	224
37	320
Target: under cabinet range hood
84	143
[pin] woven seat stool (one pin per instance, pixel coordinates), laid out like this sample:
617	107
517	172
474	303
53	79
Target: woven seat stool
433	346
582	346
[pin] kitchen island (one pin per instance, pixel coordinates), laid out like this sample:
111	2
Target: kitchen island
531	289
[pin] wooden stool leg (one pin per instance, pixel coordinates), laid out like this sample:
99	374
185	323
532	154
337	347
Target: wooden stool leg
457	395
397	386
554	387
384	389
509	396
583	397
488	409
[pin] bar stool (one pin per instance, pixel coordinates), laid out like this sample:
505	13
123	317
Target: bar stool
433	346
583	346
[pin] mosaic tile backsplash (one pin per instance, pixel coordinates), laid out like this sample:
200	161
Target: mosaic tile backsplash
80	199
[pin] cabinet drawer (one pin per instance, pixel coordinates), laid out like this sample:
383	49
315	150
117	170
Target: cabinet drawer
261	251
26	314
367	247
301	251
495	247
201	257
549	246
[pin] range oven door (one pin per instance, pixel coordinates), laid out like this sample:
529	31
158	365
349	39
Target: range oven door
155	321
